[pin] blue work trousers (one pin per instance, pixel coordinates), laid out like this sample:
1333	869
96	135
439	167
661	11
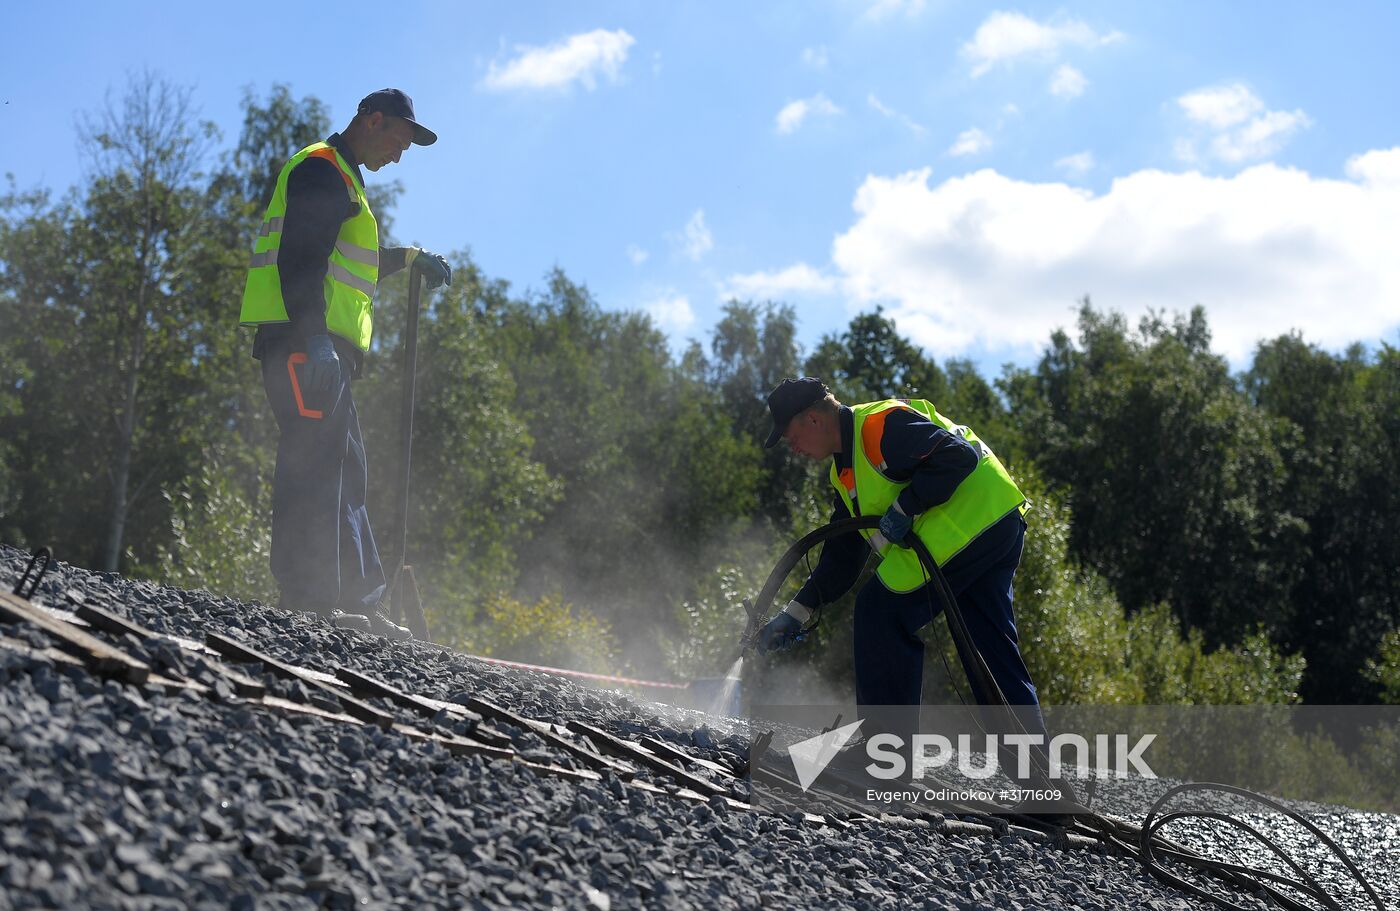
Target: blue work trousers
889	657
323	553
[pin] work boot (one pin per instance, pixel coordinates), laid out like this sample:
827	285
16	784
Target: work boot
332	615
381	625
341	620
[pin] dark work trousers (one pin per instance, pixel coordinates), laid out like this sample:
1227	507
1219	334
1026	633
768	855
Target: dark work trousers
889	658
323	553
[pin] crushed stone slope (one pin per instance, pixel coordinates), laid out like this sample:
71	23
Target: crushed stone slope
125	796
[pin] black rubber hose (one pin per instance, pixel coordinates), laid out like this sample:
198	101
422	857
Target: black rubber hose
973	663
1151	824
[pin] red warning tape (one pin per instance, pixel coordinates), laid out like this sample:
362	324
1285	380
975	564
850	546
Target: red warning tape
629	681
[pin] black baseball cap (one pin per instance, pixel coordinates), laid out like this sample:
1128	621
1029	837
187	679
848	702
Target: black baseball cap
397	104
788	400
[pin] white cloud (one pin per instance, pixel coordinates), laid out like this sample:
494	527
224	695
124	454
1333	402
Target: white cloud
794	112
1067	82
1379	168
983	259
815	57
578	58
1004	36
695	240
671	312
1241	128
1262	136
883	9
636	254
1076	165
970	142
895	115
1220	106
799	278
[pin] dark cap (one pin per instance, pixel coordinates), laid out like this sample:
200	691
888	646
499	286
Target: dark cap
396	104
788	400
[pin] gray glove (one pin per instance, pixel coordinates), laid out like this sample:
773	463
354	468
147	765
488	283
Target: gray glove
785	630
895	525
322	371
433	266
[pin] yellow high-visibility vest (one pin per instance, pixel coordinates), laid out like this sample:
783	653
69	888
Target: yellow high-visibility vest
352	271
979	502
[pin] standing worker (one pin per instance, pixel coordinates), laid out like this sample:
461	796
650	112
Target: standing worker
311	282
926	477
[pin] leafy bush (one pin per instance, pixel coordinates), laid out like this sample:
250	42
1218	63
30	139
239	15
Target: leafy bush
1081	647
550	631
220	535
1384	669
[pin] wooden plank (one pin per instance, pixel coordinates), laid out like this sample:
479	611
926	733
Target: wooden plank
625	749
96	654
458	746
366	685
676	754
174	685
237	651
49	653
505	715
117	625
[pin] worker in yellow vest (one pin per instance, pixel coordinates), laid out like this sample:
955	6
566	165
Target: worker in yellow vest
927	477
310	291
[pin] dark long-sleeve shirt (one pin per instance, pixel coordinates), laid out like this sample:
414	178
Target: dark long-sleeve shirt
317	205
916	450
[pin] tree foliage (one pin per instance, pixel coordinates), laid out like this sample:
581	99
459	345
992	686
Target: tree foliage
1174	480
583	494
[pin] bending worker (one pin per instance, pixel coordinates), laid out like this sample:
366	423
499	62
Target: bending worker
925	477
311	282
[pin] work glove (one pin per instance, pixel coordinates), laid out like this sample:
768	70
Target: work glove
784	630
436	271
322	371
895	525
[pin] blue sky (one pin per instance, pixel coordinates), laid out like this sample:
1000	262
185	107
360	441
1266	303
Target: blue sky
973	169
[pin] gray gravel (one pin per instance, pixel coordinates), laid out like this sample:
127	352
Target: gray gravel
119	796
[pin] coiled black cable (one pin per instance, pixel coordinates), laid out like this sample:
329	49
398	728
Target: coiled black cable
1143	843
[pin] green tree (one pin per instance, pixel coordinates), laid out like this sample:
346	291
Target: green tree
870	361
143	203
648	473
1174	479
1341	477
476	487
753	348
115	399
273	130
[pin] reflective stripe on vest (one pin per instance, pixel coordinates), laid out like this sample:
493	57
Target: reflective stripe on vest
352	269
980	501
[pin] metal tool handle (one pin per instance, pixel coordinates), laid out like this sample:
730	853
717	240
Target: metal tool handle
410	378
405	604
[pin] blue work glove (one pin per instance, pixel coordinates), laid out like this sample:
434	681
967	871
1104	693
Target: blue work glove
895	525
436	271
782	632
322	371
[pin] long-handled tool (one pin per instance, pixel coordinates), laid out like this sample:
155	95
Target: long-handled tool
973	663
406	605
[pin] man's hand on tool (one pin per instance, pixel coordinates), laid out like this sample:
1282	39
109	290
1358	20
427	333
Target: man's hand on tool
436	271
782	631
895	525
322	371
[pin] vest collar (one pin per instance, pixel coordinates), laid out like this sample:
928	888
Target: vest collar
343	147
